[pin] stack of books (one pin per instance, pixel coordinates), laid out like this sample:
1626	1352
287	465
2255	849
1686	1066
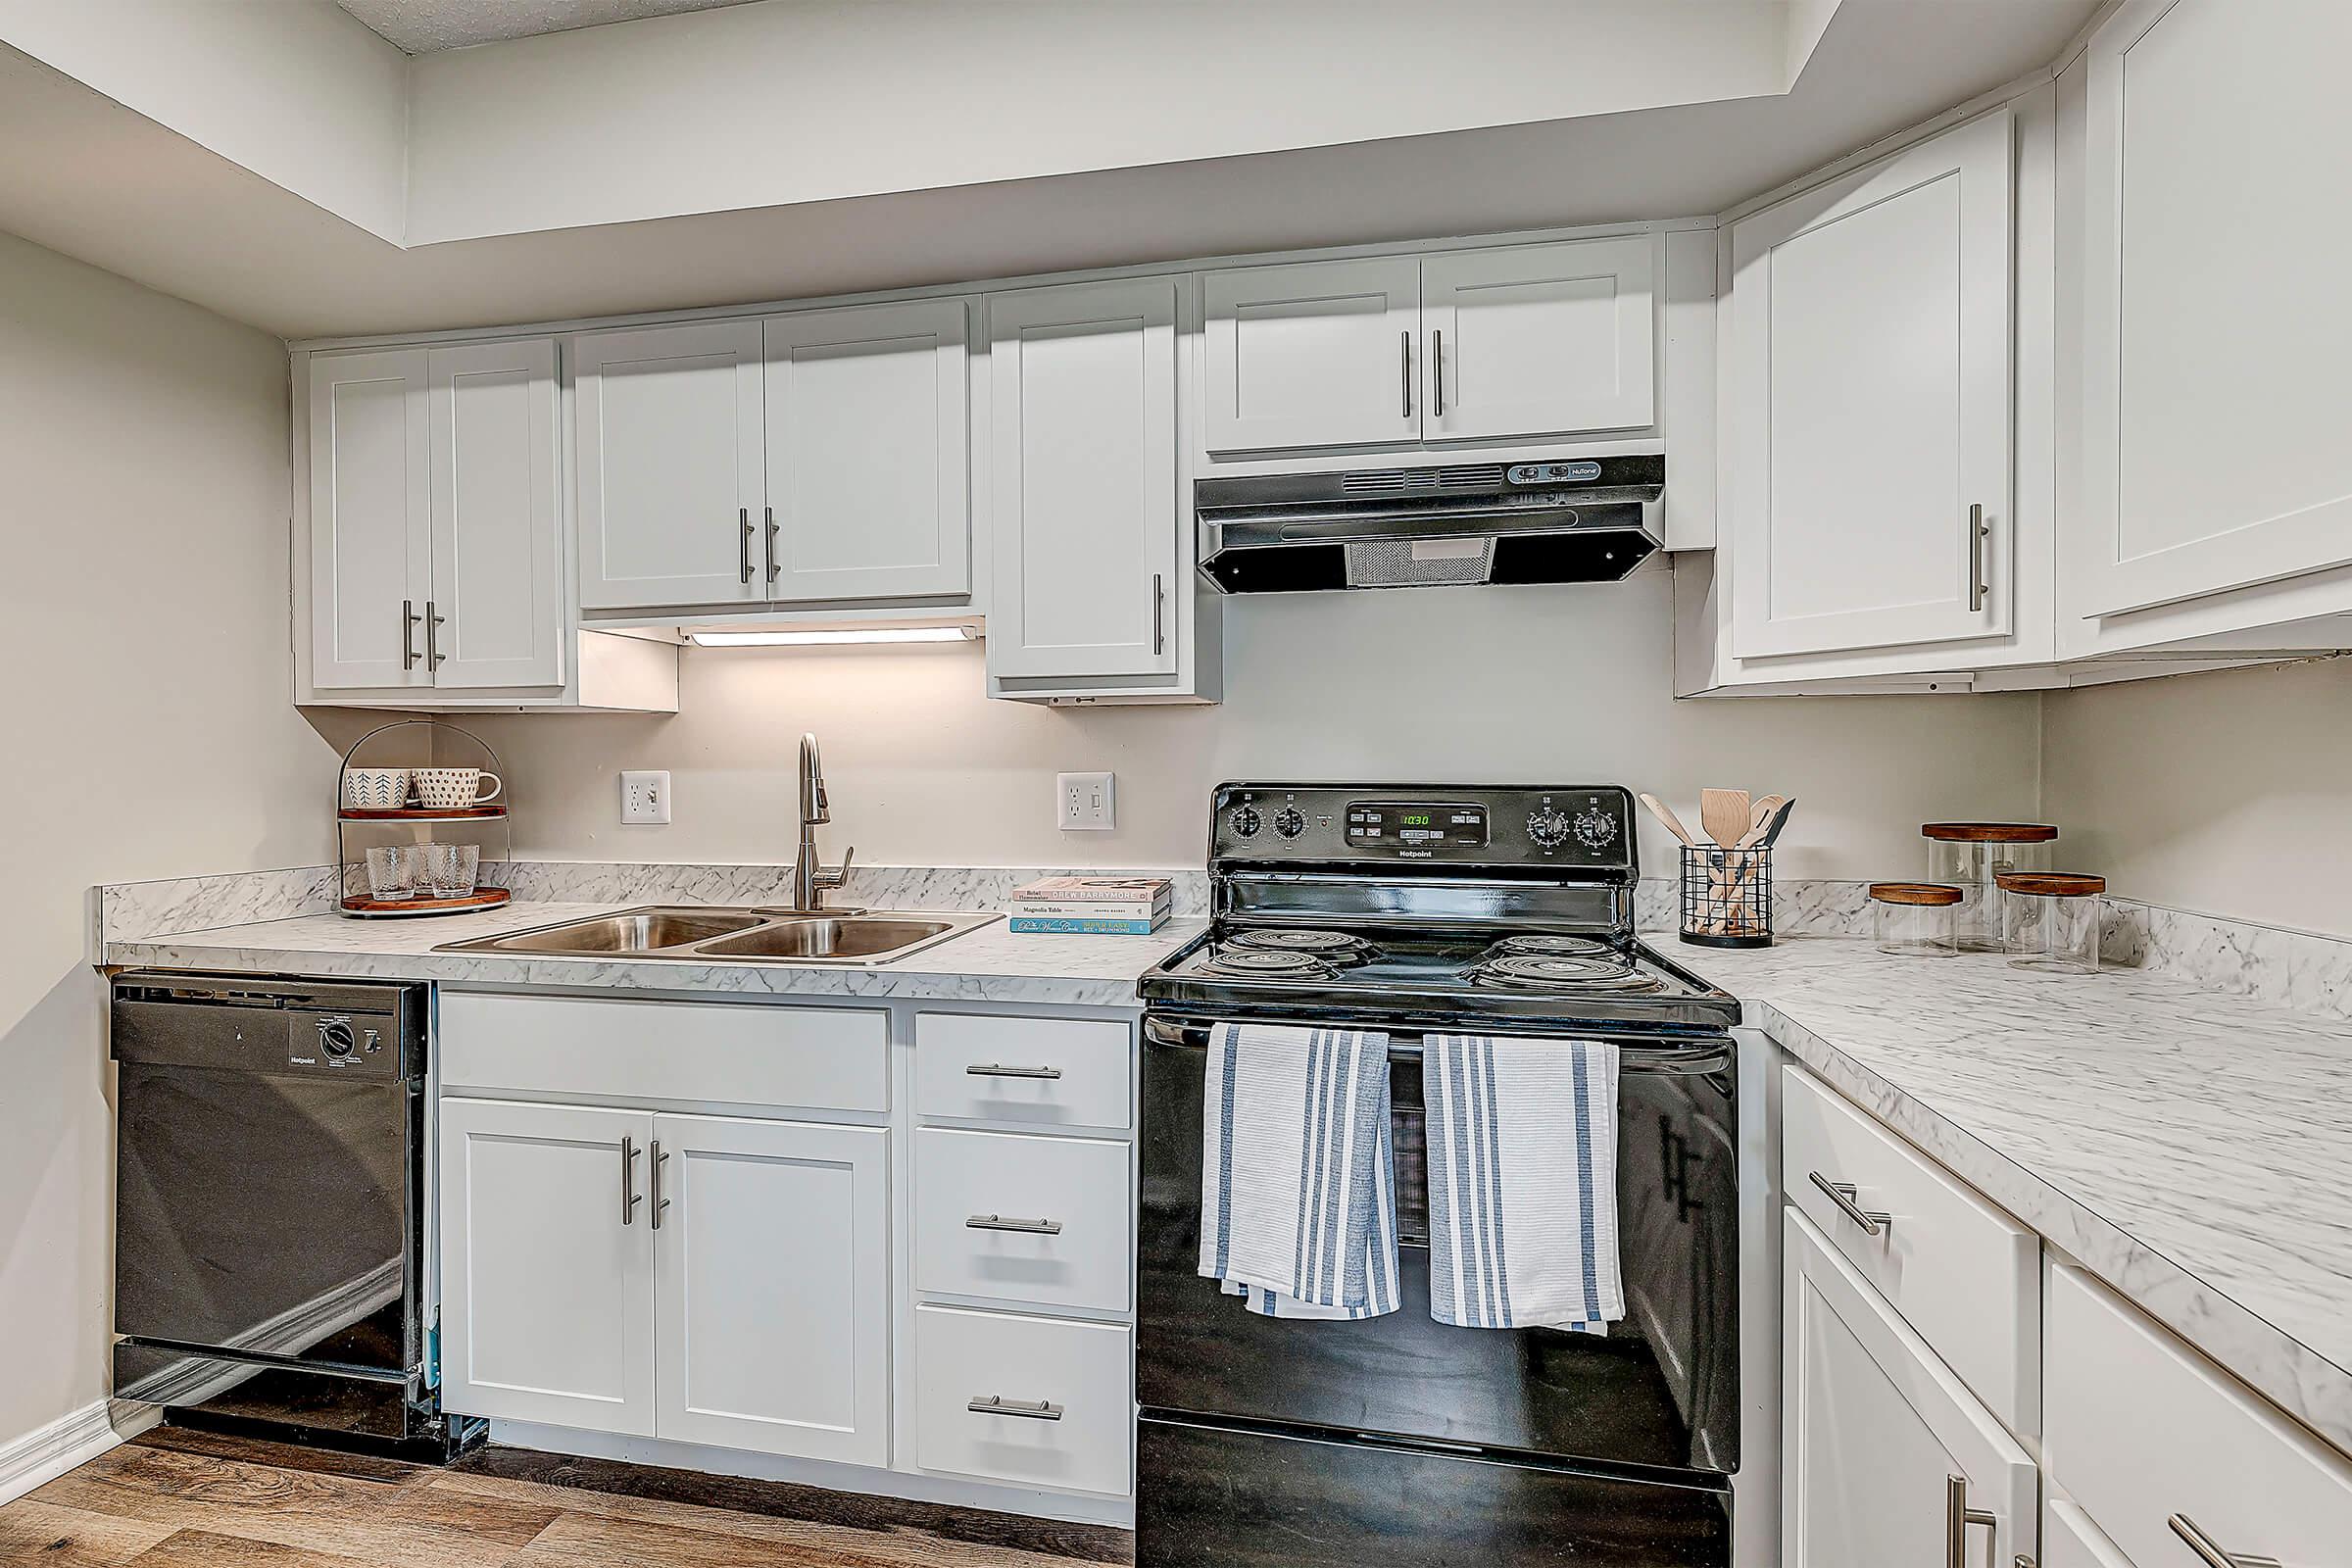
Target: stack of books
1091	905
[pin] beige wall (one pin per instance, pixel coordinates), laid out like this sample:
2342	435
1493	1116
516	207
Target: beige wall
1465	685
143	497
2214	793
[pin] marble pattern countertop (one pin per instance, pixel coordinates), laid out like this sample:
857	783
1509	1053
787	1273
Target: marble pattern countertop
988	964
2191	1149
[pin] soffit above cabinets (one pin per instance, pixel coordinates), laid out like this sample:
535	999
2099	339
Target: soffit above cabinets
508	183
426	27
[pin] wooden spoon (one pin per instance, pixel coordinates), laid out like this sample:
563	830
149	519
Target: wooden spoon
1665	814
1725	815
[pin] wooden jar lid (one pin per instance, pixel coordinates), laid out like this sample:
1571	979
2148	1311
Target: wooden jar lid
1990	832
1931	895
2051	884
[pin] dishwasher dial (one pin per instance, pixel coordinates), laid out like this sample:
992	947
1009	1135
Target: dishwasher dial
335	1038
1289	822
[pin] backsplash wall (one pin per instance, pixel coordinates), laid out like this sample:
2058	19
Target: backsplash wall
1487	685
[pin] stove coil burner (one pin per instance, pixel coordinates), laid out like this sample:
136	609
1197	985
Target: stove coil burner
1553	946
1550	972
1336	947
1253	963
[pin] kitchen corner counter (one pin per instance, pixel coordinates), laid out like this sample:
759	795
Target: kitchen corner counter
987	964
2191	1149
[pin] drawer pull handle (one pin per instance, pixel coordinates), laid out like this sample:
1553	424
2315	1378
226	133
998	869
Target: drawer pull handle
997	1069
998	1222
2209	1551
998	1404
1957	1517
1843	1194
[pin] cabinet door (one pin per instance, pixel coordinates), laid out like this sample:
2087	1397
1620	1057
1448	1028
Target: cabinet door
671	480
371	559
1884	1452
1318	354
1086	508
1869	366
1540	339
497	550
868	466
774	1286
2216	453
547	1266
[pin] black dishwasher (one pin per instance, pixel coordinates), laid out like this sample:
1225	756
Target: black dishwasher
270	1209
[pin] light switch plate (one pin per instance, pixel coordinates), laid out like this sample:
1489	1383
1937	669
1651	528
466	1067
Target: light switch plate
645	796
1082	800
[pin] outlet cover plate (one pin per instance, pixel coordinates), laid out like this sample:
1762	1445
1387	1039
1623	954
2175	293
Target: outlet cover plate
645	796
1082	800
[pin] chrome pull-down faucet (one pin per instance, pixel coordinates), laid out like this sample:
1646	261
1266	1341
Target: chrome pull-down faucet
811	880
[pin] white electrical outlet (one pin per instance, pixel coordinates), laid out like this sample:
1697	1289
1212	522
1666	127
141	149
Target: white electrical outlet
645	796
1082	800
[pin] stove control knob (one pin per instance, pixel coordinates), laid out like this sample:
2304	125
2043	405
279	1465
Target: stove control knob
1595	829
1289	823
1245	821
1546	828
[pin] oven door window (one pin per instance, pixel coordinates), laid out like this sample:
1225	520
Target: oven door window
1660	1388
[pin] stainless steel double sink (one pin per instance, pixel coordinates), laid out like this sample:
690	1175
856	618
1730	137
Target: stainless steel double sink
749	935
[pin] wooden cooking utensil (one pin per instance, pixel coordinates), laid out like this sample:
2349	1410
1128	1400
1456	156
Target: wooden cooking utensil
1759	821
1780	820
1665	814
1724	815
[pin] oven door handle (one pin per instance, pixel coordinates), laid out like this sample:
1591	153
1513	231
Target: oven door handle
1689	1058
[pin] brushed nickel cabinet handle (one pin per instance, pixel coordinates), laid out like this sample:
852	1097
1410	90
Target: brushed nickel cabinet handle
1844	1195
2209	1551
630	1197
997	1069
1957	1517
1404	351
1159	601
408	633
433	623
1028	1227
1436	374
659	1202
1978	532
775	568
743	548
998	1404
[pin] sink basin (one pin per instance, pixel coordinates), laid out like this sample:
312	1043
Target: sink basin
862	936
757	936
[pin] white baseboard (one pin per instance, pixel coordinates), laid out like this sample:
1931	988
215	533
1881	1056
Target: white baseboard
669	1454
73	1439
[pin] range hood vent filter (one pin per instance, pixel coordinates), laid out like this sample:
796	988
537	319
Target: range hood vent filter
1419	562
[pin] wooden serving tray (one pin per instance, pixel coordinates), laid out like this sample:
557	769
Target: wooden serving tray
361	908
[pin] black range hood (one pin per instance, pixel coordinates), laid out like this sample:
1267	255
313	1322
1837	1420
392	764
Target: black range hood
1543	521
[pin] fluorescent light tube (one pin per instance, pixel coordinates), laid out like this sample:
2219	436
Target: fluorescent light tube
846	636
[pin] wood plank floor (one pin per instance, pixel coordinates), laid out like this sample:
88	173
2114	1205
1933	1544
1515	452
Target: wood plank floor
177	1498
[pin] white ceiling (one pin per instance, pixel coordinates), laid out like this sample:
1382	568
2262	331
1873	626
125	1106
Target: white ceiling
426	26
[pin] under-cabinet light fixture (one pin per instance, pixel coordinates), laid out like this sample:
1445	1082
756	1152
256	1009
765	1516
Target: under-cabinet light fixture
843	636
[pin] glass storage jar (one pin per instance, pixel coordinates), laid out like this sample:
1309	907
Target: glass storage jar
2050	919
1970	855
1915	920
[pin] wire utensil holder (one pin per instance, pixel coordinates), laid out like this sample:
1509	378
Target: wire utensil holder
1727	897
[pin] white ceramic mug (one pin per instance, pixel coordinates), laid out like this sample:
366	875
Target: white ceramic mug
451	788
375	789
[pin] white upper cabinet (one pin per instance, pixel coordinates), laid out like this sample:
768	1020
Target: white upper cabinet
2216	453
1087	512
1539	339
672	487
371	559
1323	353
497	606
1868	369
868	473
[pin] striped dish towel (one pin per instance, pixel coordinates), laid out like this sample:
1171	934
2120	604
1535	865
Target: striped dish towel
1297	1198
1523	1183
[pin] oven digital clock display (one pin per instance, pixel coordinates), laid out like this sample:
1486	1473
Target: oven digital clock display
1417	825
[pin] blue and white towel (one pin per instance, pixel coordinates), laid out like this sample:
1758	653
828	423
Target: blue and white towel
1523	1183
1298	1189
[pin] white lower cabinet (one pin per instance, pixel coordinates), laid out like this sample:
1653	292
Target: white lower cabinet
1044	1221
1886	1456
1037	1401
2069	1540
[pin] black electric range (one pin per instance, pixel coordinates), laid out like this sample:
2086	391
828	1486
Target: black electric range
1415	910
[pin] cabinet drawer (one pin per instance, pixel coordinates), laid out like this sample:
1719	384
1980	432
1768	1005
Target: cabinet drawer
1083	1371
2141	1429
1051	1071
1961	1272
831	1058
1078	1184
